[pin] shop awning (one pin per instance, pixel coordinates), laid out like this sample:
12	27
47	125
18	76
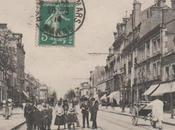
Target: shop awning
103	97
115	95
151	89
164	88
25	94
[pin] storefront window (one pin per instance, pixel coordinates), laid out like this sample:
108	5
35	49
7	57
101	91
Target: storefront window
167	72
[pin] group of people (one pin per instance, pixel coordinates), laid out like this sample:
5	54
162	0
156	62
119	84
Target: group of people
38	116
89	106
66	113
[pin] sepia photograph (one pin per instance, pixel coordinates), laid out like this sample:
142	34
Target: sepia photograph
87	64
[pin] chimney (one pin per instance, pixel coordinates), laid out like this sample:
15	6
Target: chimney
136	12
125	20
173	4
3	26
160	3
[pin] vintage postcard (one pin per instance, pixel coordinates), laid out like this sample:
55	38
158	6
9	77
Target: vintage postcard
87	64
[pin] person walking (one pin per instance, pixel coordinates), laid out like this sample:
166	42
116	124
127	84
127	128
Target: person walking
94	110
85	112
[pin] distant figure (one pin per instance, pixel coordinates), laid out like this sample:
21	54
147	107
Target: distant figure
65	108
28	111
60	119
10	106
94	110
85	113
49	117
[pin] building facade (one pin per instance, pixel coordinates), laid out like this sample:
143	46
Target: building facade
43	92
85	89
12	64
144	49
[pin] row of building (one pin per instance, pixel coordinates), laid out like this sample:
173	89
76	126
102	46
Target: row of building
14	83
141	60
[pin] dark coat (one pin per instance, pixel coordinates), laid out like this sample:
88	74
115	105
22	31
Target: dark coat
84	108
28	112
94	110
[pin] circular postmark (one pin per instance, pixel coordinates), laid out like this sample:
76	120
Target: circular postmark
59	18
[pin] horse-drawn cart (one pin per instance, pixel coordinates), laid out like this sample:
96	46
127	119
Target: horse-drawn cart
152	111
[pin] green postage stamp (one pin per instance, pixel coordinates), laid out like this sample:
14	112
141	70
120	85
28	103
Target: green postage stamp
57	21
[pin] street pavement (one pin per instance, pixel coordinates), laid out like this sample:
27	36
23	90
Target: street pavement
111	121
16	119
117	110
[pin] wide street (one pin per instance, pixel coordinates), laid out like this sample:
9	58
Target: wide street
111	121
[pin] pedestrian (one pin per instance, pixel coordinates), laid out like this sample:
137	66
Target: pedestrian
44	116
85	112
65	108
10	105
60	119
49	111
123	105
72	116
28	111
94	110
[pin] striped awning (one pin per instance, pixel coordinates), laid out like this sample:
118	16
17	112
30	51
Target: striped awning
164	88
25	94
151	89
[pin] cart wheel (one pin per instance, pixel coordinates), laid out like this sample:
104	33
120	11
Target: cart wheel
134	116
153	123
134	120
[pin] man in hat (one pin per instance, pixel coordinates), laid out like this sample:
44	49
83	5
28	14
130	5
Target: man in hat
94	110
28	111
85	112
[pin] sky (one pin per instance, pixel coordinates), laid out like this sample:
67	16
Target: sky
63	68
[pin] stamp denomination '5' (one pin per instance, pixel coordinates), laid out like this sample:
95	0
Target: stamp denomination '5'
58	20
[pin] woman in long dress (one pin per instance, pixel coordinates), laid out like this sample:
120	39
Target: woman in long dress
59	120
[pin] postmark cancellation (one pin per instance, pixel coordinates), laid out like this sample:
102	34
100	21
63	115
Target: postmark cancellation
58	20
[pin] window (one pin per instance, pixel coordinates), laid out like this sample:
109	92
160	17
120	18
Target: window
148	72
154	70
129	67
147	49
156	45
124	68
158	68
173	71
167	74
87	93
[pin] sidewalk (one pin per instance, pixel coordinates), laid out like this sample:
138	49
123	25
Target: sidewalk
117	110
16	119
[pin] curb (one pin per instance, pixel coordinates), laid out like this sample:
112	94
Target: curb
19	125
124	114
